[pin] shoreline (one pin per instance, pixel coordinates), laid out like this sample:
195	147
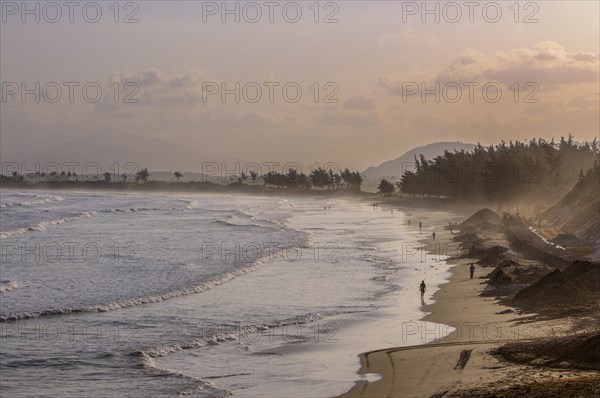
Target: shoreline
383	361
388	320
448	362
256	190
459	363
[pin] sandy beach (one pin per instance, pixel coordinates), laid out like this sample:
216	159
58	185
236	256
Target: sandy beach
459	362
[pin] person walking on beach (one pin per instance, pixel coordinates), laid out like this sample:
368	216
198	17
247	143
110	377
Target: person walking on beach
420	225
472	269
433	235
422	288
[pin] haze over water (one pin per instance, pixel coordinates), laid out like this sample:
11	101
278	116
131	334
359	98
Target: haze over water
141	293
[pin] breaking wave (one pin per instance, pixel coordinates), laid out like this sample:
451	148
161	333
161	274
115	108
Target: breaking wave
115	305
7	286
41	226
43	199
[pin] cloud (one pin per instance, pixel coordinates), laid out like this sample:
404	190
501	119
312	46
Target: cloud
404	36
159	89
153	77
347	119
548	64
220	120
359	102
427	123
590	102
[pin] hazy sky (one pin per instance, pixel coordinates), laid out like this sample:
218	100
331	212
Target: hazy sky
373	61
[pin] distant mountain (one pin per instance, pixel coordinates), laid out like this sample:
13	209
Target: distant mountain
108	148
406	162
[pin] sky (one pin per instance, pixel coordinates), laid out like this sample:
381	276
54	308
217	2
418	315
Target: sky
350	82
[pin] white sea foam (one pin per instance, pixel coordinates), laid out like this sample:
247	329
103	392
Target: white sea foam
42	225
115	305
33	202
189	205
7	286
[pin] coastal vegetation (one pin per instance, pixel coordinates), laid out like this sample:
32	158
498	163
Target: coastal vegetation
318	179
503	173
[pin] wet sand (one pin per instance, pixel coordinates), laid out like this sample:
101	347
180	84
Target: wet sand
459	361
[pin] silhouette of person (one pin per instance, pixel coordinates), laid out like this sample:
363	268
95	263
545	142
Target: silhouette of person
472	269
422	289
392	210
433	235
420	225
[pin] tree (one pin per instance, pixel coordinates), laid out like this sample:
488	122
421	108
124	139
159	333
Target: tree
505	173
124	177
253	175
275	179
352	179
292	177
178	175
244	177
385	187
142	175
320	178
106	177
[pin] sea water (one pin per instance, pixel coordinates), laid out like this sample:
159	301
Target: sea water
137	295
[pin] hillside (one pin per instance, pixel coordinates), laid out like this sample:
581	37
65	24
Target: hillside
397	166
578	212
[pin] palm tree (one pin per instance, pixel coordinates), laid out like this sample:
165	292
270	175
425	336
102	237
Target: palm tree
385	187
142	175
253	175
178	175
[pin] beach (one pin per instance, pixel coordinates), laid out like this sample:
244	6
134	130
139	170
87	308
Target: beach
305	296
300	199
250	295
461	363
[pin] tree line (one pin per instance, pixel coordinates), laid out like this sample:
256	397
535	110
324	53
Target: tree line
317	179
502	172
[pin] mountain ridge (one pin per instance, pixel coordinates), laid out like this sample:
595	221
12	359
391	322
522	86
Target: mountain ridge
396	167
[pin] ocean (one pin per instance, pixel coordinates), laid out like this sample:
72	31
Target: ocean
160	294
